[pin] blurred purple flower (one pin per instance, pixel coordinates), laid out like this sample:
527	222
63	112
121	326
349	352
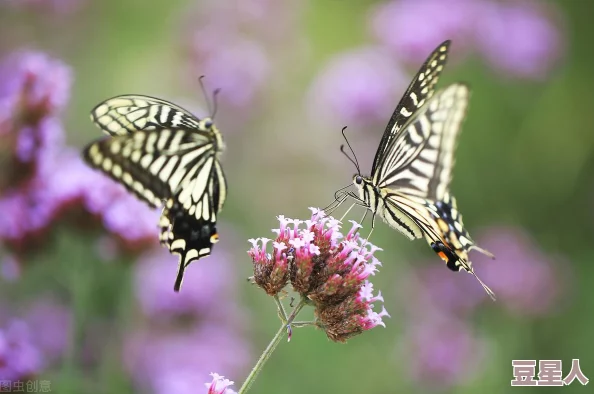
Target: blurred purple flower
131	219
33	88
519	38
206	284
63	178
232	63
37	142
30	209
180	360
456	293
32	85
442	351
67	178
522	276
23	214
53	323
357	87
414	28
19	357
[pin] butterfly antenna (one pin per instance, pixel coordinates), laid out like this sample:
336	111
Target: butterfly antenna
215	102
208	103
354	158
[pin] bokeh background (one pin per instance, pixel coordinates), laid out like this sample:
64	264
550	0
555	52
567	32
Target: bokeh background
86	299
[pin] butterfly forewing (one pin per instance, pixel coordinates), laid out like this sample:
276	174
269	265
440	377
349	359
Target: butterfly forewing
418	92
126	114
420	159
162	153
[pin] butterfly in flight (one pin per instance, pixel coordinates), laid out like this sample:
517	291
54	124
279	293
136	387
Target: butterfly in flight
412	169
168	158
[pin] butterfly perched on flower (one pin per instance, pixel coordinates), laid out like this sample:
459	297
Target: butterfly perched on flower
412	169
168	158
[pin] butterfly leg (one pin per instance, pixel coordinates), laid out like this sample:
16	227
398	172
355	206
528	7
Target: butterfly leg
347	212
338	200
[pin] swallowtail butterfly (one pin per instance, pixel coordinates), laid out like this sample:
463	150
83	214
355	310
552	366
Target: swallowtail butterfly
167	157
409	183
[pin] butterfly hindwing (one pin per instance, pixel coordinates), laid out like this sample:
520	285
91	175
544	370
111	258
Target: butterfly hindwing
128	160
163	154
449	221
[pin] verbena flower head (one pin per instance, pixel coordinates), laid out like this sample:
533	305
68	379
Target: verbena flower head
325	266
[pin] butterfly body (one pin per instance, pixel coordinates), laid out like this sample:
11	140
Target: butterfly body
167	157
412	169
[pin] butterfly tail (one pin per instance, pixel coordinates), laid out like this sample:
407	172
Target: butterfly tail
180	274
483	251
490	292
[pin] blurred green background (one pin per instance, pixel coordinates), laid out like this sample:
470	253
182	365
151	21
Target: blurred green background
523	179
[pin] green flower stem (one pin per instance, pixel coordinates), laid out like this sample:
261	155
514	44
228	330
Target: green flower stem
282	314
271	346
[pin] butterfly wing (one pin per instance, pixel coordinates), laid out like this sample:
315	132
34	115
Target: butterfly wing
162	153
419	160
188	221
418	170
415	178
130	113
418	92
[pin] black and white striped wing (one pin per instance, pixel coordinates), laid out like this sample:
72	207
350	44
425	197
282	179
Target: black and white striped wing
451	227
418	92
127	114
153	143
164	154
188	221
419	161
439	223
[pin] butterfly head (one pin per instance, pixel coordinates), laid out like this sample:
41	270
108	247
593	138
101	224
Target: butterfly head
206	124
361	182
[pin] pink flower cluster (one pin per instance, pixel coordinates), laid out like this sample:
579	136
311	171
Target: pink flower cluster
326	267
